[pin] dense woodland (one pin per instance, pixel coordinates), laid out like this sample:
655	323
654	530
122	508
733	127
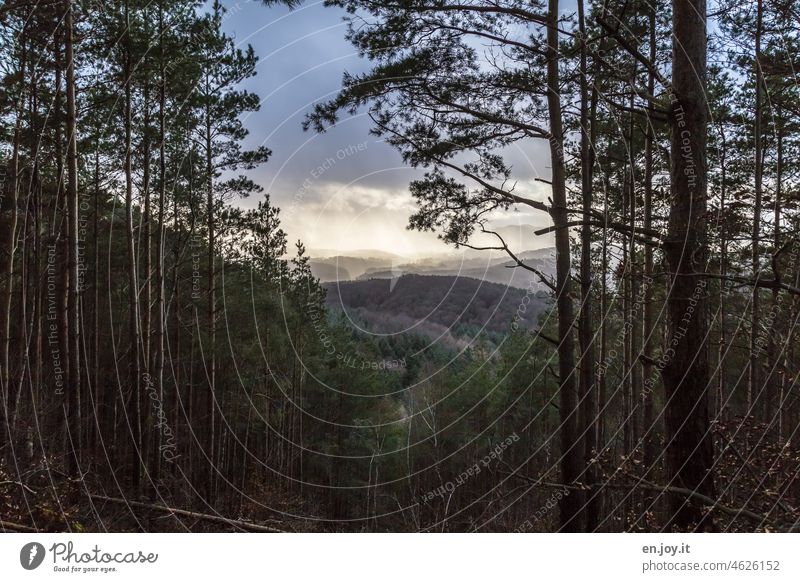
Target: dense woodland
168	361
437	307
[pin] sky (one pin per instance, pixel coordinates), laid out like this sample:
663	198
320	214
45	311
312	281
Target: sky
345	189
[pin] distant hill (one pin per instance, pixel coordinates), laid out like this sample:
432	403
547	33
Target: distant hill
329	272
494	267
494	270
341	268
454	307
358	253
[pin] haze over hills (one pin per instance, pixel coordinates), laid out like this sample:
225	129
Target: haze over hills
494	268
490	266
358	253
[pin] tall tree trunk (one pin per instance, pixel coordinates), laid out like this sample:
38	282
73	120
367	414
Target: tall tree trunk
586	331
61	234
648	329
179	404
571	450
722	392
210	355
8	251
30	348
148	232
133	284
753	378
627	301
98	411
602	383
162	189
634	300
39	281
73	301
689	449
775	386
149	430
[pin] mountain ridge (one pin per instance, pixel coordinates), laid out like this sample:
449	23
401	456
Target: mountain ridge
486	266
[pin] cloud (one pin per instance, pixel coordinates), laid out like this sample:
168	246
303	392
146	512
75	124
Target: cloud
352	225
351	201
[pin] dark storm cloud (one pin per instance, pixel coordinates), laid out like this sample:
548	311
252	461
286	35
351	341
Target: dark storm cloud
303	55
345	172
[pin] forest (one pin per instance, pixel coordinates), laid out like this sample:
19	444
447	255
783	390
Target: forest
169	362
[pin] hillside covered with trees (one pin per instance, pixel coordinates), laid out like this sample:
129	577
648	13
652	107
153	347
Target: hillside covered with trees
432	305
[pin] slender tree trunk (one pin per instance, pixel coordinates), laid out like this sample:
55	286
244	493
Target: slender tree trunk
23	311
30	348
133	284
148	232
586	331
634	300
177	359
73	300
689	449
9	245
648	329
149	430
775	386
162	189
36	187
722	391
602	384
60	236
211	314
571	449
753	380
97	410
789	407
627	310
